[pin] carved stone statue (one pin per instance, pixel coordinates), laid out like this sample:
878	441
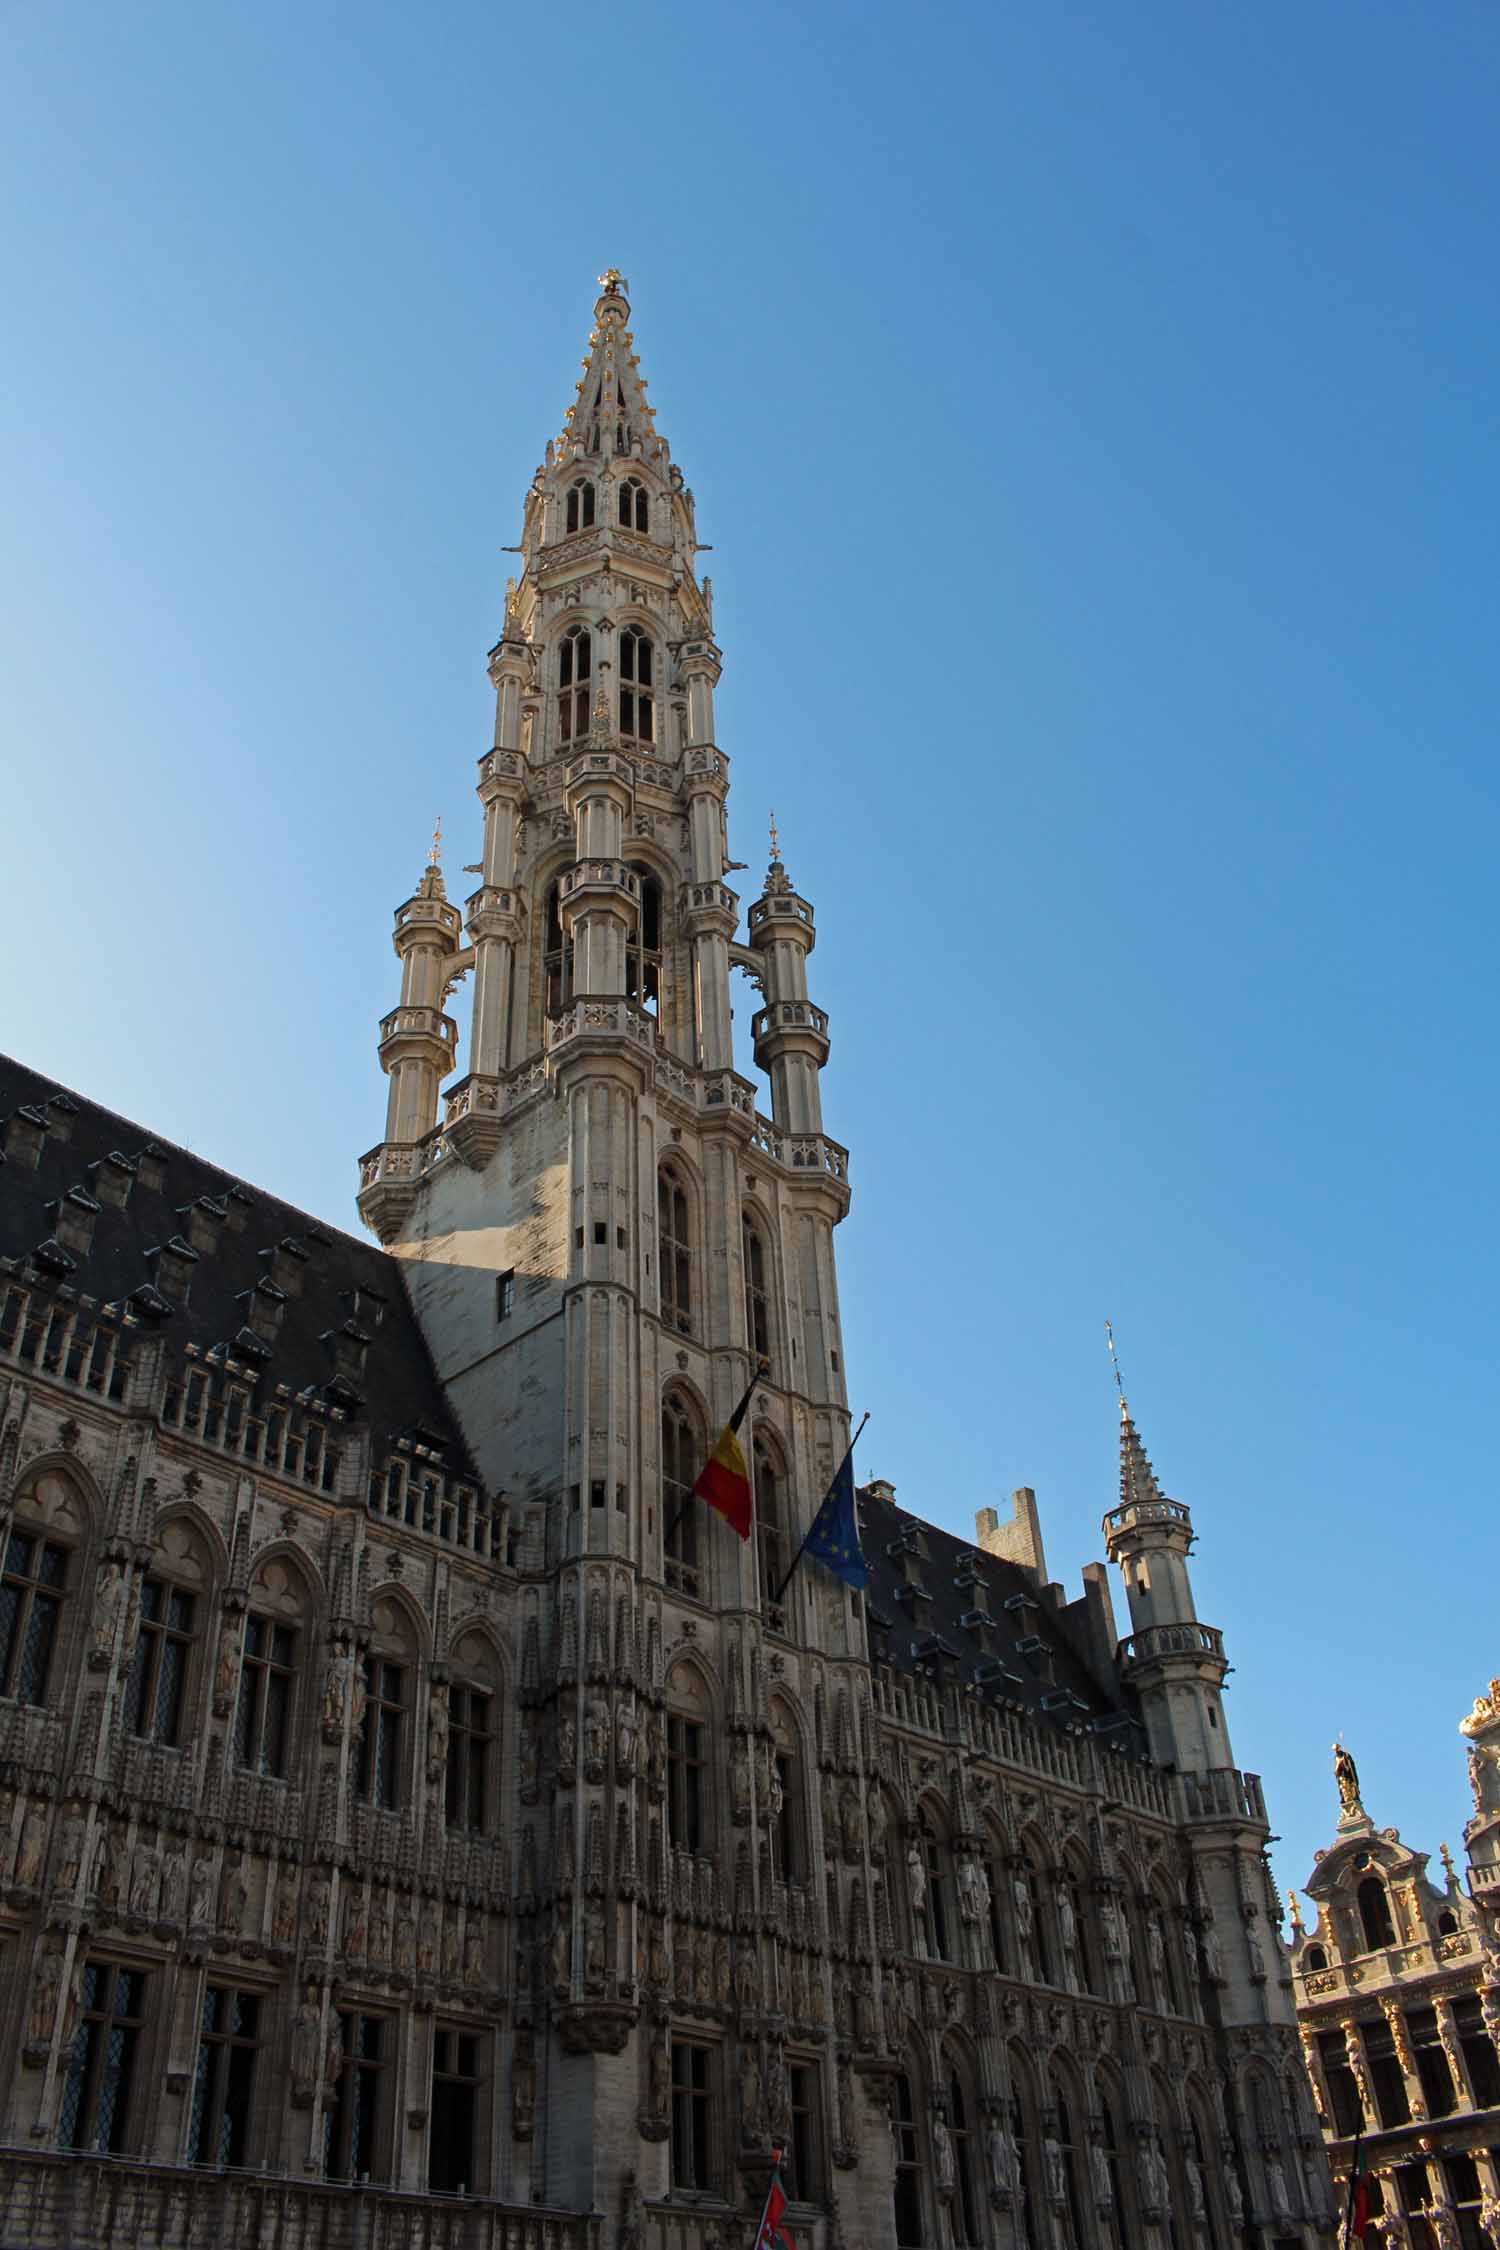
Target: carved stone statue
1281	2202
849	1815
306	2045
317	1915
108	1869
427	1944
1197	2201
1104	2186
523	2086
437	1731
878	1818
625	1733
739	1780
355	1920
45	1989
661	2074
656	1751
406	1936
70	1854
108	1600
1156	1949
144	1870
474	1952
1067	1920
336	1688
1052	2165
916	1876
1233	2193
562	1951
864	2014
969	1907
32	1845
1025	1912
201	1893
1346	1774
173	1885
567	1744
234	1895
1001	2156
284	1913
226	1675
596	1733
752	2103
593	1946
1213	1951
1156	2189
359	1696
942	2154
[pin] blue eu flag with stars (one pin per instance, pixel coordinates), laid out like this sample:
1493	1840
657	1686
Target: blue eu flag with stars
834	1536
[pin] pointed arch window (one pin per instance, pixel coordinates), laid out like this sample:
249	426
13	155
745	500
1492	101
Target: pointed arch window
757	1299
31	1599
635	504
469	1790
643	948
682	1452
771	1529
263	1731
1068	2158
575	666
173	1596
674	1250
907	2188
637	685
965	2202
579	507
558	956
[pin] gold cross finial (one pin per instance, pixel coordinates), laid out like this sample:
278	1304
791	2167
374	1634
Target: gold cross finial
775	837
437	841
610	278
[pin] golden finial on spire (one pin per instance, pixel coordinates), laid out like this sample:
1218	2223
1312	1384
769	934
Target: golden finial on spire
1448	1867
611	279
1291	1899
437	842
775	836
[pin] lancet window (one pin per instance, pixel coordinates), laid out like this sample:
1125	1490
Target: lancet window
579	507
557	958
757	1299
637	685
635	505
575	665
643	949
674	1249
682	1454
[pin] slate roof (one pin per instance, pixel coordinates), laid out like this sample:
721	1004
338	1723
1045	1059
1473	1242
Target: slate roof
983	1620
345	1327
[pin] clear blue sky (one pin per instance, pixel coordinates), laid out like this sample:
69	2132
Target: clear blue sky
1093	413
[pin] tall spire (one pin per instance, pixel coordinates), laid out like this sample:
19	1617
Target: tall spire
611	413
1138	1485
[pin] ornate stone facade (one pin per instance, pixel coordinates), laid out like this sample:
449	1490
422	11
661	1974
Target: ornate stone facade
1398	2004
402	1777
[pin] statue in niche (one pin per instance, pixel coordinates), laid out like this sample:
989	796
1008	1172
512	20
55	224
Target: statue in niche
336	1689
739	1777
916	1876
849	1807
723	1975
32	1845
562	1950
1052	2165
625	1738
427	1944
864	2013
284	1914
656	1751
452	1949
46	1988
1197	2202
144	1869
878	1819
474	1952
1104	2186
227	1674
1025	1912
109	1870
1156	1947
306	2045
969	1907
437	1730
406	1936
1156	2192
317	1915
359	1696
1213	1951
942	2154
201	1893
593	1945
333	2050
234	1894
173	1885
567	1742
354	1920
1001	2157
1281	2202
596	1736
751	2097
70	1854
108	1601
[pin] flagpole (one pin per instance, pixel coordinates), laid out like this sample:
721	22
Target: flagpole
762	1367
781	1589
1353	2184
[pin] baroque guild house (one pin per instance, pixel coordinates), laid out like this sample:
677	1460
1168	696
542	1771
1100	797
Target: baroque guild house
422	1822
1398	2004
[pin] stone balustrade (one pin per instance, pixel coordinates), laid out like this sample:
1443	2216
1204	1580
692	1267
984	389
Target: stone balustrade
81	2202
1170	1640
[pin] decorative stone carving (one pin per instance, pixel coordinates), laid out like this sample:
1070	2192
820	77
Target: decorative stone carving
437	1731
306	2048
234	1895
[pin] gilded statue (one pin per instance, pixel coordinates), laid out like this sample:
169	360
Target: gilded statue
1346	1774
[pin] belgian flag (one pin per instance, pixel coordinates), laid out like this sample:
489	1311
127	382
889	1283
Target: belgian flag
724	1481
1357	2217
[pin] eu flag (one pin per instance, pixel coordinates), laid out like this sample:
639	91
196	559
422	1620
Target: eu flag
834	1536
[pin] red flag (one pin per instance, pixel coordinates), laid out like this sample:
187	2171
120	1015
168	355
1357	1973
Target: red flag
771	2236
1359	2194
724	1481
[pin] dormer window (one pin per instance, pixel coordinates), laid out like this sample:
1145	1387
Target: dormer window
575	665
635	504
637	680
580	505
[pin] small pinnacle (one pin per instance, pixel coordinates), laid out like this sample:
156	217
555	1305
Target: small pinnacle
775	840
434	855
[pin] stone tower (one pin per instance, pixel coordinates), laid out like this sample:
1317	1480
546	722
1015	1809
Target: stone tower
1176	1666
602	1237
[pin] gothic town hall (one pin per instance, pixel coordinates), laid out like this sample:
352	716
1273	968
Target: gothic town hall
422	1826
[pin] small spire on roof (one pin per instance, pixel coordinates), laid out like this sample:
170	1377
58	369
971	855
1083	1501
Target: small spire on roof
434	856
613	281
775	839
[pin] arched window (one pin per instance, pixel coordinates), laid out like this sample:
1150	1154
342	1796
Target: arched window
1067	2160
674	1250
1315	1958
40	1561
907	2190
772	1537
557	958
689	1776
1116	2229
757	1300
1375	1914
471	1780
575	668
637	685
643	948
635	505
932	1918
173	1606
682	1456
580	505
265	1708
1025	2141
385	1707
965	2200
790	1827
